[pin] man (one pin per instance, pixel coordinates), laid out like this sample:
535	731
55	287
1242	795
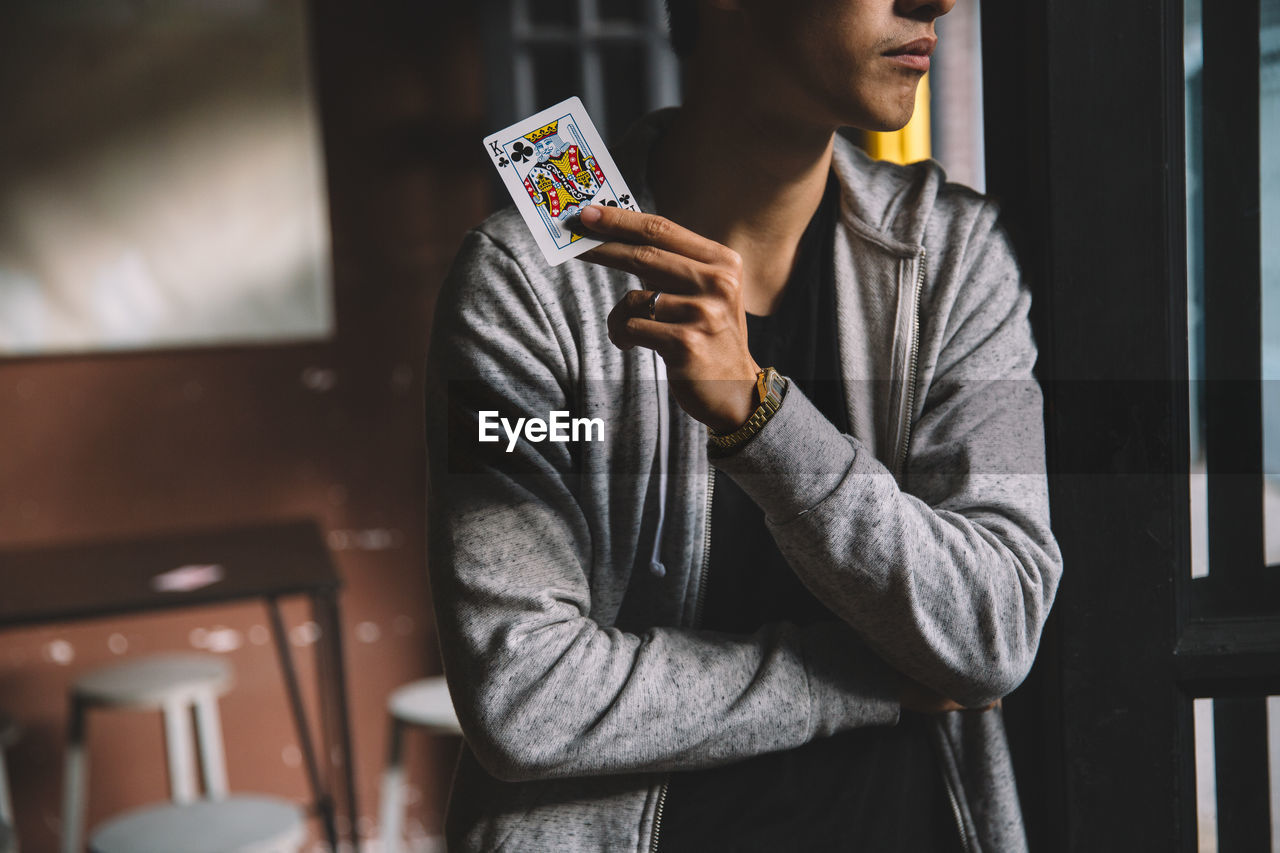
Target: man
750	620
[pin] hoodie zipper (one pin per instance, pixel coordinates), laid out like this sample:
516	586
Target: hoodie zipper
706	550
913	365
699	598
913	359
955	811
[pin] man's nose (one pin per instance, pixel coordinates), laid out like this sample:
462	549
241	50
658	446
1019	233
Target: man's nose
924	10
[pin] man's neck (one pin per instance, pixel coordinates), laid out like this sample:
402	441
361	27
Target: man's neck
746	179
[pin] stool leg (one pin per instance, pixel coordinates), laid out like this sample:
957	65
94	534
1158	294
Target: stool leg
6	803
392	815
177	748
209	736
74	780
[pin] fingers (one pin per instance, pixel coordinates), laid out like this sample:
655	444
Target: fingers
914	696
647	229
666	256
669	308
691	315
668	339
700	281
656	332
658	268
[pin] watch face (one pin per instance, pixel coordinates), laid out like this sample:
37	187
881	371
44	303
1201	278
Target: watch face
774	384
766	381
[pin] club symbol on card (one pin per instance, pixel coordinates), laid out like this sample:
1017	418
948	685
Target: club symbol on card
502	161
625	199
521	152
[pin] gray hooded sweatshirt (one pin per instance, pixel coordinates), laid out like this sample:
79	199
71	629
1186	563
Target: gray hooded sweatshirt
567	575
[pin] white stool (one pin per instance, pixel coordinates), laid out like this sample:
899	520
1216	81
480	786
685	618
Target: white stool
425	704
237	824
8	833
172	683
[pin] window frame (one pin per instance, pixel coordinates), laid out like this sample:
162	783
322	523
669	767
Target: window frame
511	36
1103	730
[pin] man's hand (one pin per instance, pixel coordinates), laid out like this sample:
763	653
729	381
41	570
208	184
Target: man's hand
914	696
699	326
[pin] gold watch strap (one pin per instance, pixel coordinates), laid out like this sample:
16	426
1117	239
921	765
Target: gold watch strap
771	387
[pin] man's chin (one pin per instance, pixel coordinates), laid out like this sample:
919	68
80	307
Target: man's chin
884	118
903	115
887	124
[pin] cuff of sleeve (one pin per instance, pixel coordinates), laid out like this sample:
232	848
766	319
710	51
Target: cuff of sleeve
849	686
796	460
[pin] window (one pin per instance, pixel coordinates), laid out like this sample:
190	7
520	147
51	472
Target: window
1233	290
613	54
1133	182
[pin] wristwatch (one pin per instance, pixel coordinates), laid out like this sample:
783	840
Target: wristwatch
771	387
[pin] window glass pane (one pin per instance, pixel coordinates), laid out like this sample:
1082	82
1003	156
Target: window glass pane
1192	67
620	10
1207	806
1269	167
1273	750
562	13
1206	778
955	96
557	75
624	82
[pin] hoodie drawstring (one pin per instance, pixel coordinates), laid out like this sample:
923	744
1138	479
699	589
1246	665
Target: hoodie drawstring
664	435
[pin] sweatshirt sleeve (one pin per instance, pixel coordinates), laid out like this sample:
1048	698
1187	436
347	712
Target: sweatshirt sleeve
950	578
541	689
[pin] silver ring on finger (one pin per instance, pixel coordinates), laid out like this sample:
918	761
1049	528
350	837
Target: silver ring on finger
653	305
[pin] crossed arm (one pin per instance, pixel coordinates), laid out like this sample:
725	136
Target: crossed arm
954	599
971	548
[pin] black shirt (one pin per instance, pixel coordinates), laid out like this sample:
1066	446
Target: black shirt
871	789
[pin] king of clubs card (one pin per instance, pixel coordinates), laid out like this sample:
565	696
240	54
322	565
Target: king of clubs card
564	175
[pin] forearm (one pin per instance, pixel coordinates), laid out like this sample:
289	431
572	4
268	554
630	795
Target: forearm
575	699
543	690
953	597
517	567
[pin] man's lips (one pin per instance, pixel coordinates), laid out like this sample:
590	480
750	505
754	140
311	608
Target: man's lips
913	54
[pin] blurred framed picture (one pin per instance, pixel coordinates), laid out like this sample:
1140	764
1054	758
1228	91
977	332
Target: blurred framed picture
161	176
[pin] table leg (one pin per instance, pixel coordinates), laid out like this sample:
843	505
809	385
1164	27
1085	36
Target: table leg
75	780
319	791
333	698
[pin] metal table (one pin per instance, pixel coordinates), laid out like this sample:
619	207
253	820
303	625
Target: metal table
270	561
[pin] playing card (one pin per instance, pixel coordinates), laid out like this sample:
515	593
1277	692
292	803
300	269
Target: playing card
554	163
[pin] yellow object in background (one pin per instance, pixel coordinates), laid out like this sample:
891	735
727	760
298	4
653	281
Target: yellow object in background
910	144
